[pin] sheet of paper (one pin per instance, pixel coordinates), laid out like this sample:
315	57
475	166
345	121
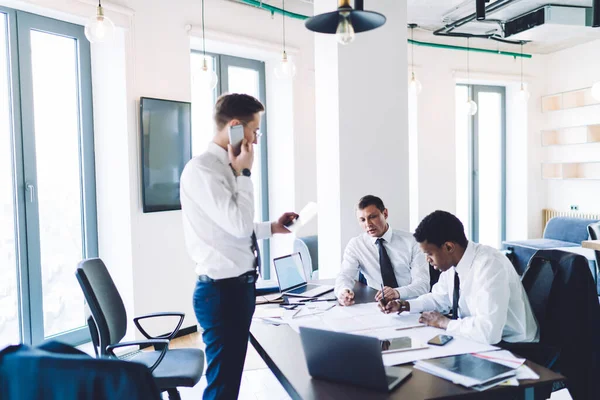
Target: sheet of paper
503	357
304	216
266	311
454	347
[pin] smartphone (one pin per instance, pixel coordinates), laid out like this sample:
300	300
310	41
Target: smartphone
440	340
236	136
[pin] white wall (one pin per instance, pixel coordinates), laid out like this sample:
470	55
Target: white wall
362	129
439	70
571	69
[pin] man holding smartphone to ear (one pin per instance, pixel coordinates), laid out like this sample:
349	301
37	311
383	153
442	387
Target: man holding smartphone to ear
217	202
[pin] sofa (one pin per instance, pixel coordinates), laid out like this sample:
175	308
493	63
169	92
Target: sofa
560	232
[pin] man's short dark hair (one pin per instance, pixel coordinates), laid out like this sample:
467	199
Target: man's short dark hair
236	106
370	200
440	227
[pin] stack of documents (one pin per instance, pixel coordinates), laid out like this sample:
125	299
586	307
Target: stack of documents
468	370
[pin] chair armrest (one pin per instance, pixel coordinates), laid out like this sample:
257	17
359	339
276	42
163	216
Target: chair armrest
167	336
163	344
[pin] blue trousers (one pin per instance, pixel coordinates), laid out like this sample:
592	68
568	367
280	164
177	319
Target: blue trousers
224	310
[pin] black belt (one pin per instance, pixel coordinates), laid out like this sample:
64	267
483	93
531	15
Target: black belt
248	277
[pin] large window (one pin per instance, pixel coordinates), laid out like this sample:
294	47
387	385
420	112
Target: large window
481	169
47	201
236	75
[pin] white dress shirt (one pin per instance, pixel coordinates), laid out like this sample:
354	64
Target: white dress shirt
362	254
218	215
493	304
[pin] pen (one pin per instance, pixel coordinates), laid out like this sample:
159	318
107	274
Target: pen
315	300
296	313
411	327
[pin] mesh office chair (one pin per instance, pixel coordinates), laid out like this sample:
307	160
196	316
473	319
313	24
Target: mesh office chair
108	323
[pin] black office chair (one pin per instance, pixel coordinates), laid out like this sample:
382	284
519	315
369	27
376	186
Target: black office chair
55	371
108	323
563	298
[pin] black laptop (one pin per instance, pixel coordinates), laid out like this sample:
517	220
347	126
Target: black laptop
347	358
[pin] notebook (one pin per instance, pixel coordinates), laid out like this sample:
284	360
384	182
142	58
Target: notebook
466	369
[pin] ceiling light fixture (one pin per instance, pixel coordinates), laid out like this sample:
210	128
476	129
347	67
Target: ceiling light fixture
471	106
205	77
523	93
285	68
480	9
414	86
98	28
346	21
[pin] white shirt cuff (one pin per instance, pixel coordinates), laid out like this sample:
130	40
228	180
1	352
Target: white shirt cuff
263	230
416	305
453	326
244	183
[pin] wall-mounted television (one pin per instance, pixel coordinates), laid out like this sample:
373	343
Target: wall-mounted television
166	148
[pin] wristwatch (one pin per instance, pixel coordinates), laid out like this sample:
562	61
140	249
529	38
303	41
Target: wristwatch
246	172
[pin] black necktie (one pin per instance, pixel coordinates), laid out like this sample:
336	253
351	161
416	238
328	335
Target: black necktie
387	271
455	296
256	251
254	247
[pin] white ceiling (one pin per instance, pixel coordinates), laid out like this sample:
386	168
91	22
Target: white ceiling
433	14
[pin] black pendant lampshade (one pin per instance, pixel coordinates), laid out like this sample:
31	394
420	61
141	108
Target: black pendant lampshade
596	14
360	19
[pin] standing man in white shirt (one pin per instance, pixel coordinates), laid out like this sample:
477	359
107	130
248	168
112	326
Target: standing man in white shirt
217	202
478	284
385	256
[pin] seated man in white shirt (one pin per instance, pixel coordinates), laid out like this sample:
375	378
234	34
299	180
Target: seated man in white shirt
478	284
386	257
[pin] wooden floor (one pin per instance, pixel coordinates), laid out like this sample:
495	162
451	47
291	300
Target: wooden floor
258	383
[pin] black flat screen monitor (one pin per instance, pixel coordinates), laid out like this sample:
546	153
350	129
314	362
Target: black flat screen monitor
166	148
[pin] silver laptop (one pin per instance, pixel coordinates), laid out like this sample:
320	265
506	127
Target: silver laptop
347	358
292	279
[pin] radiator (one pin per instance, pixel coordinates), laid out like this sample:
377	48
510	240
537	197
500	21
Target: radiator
548	214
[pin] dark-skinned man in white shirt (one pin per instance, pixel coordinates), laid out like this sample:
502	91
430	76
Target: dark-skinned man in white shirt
478	285
217	201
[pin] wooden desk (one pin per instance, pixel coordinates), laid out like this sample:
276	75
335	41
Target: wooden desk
591	244
281	349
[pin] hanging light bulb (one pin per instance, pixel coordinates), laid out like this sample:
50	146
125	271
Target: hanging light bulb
596	90
414	86
346	21
471	106
98	28
523	94
206	78
345	31
285	68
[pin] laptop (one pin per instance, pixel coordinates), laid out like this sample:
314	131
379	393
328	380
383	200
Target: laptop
292	279
347	358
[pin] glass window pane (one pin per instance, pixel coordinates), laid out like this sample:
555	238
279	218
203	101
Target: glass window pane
57	143
9	315
490	168
202	107
244	80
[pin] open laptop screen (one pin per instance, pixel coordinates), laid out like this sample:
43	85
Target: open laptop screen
290	272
